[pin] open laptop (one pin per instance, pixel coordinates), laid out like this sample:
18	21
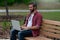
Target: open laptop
15	25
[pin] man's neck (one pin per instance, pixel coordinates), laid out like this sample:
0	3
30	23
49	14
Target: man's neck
34	11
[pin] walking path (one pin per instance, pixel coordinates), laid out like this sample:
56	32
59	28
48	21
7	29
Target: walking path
28	10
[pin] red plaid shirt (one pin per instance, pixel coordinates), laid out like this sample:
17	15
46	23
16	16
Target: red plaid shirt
36	21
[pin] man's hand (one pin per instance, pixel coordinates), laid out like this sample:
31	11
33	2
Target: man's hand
25	28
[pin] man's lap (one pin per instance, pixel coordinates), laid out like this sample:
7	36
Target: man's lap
24	32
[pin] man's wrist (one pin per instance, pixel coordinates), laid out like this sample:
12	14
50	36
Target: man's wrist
29	28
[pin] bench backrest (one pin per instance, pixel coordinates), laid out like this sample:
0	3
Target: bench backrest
51	29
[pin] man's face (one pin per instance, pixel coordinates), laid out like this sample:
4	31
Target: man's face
31	8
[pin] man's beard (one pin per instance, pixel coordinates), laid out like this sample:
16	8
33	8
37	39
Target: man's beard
32	11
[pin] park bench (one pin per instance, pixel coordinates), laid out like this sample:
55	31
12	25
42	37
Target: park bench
50	30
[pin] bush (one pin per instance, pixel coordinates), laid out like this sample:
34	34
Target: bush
18	1
11	2
27	1
1	2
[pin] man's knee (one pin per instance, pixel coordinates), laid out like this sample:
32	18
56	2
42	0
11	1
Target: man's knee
12	32
20	33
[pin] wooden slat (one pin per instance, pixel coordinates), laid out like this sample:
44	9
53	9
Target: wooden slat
37	38
52	22
51	26
51	30
51	35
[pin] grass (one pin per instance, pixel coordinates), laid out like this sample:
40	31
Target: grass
46	15
51	16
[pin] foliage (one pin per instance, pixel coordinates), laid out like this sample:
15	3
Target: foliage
11	2
27	1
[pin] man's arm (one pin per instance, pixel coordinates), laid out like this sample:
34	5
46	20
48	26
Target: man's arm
27	28
33	27
37	26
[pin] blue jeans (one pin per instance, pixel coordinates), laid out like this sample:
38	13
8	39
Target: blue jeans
21	34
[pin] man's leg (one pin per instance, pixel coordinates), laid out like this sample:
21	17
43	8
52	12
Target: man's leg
13	34
24	33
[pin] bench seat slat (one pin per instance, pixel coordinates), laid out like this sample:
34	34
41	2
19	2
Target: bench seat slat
37	38
51	26
51	35
51	22
51	30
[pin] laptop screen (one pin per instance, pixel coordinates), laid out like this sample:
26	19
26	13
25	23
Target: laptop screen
15	24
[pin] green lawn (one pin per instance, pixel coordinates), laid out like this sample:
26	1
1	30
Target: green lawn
46	15
51	16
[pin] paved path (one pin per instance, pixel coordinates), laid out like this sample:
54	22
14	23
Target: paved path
28	10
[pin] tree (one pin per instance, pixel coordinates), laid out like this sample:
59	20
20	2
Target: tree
27	1
10	2
22	1
1	2
18	1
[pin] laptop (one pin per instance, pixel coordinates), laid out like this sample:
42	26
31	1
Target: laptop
15	25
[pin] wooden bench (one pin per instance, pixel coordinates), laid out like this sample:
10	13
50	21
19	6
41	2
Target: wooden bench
50	30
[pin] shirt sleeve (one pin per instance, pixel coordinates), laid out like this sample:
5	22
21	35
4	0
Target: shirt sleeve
39	21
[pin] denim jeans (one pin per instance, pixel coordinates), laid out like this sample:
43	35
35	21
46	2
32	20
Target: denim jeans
21	34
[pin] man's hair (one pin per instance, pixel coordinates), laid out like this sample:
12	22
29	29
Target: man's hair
34	4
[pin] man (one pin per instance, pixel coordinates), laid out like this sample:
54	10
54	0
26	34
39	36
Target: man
31	26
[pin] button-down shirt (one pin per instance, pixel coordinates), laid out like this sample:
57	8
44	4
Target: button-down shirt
36	21
30	20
